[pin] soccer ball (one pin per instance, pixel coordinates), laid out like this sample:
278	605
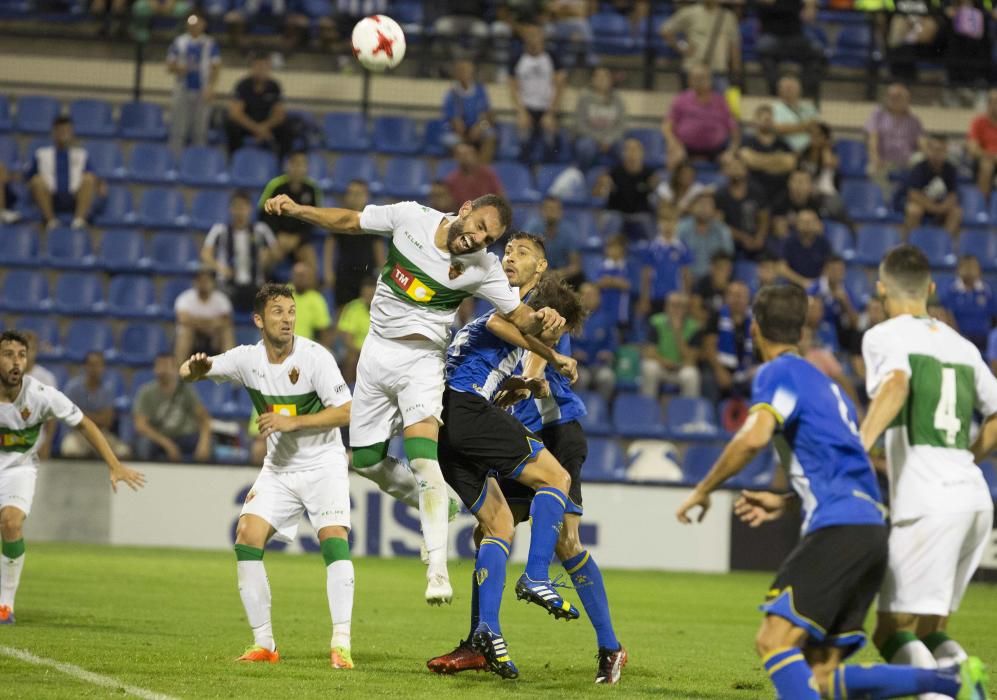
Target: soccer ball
378	43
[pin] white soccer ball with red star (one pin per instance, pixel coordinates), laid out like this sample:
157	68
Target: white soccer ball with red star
378	43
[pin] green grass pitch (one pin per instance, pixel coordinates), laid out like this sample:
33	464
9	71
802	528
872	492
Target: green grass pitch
171	622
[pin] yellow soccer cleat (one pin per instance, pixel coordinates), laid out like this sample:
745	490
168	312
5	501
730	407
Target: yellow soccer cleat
258	654
340	657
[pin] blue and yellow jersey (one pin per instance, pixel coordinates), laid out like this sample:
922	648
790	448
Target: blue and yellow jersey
479	361
562	405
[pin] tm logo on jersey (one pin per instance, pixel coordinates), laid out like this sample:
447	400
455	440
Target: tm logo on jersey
411	285
284	409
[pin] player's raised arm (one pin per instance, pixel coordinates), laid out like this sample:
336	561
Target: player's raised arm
511	333
330	218
196	368
329	417
135	479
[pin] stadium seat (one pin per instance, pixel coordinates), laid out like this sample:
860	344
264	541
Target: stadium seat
577	194
92	118
637	416
605	461
132	296
238	407
853	47
852	157
142	121
252	167
78	294
432	139
318	169
873	242
20	246
172	254
508	141
354	167
5	122
406	178
444	167
117	209
8	153
114	381
35	114
980	244
757	474
518	183
840	238
122	250
697	462
654	146
162	208
203	166
396	135
175	286
86	335
213	396
209	208
864	201
596	419
936	243
859	285
990	475
247	335
106	160
140	343
691	419
975	211
69	249
612	34
46	329
346	131
25	291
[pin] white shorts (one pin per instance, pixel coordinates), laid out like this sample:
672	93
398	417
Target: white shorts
399	383
17	487
932	560
281	497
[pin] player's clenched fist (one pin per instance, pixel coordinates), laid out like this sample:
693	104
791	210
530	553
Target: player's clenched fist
281	205
550	319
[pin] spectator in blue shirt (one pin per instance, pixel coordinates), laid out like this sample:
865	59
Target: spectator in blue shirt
666	265
841	309
93	392
560	238
195	60
614	281
60	177
468	112
970	300
806	251
595	345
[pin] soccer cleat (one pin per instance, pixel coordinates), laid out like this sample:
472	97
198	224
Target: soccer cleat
611	664
463	658
439	590
340	657
6	615
542	593
492	647
973	674
258	654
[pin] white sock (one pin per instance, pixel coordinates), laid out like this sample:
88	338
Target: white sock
339	588
254	589
434	511
949	653
915	653
10	577
395	479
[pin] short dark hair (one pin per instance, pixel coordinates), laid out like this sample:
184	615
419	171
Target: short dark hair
297	152
906	269
359	181
258	55
501	205
61	119
92	353
780	312
13	336
241	194
720	256
833	258
938	136
554	292
268	292
767	256
537	241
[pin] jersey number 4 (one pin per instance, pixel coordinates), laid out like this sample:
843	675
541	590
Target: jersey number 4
946	420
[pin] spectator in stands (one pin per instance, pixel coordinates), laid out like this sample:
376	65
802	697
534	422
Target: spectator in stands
170	419
768	157
204	318
681	189
806	250
257	111
240	252
600	121
439	197
704	234
195	60
595	346
280	15
353	326
968	50
932	190
456	20
800	194
894	135
312	319
709	290
727	347
348	260
699	124
981	143
145	11
792	115
613	280
536	85
819	159
705	33
628	187
468	111
294	236
912	36
93	392
561	239
741	202
840	307
767	268
668	355
60	177
781	38
7	199
818	345
568	23
666	265
971	301
115	13
471	178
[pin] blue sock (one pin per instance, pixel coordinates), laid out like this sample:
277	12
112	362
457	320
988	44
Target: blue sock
474	599
546	515
791	675
889	681
587	578
489	572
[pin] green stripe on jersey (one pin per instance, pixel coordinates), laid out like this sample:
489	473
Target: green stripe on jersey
305	404
939	409
411	284
19	440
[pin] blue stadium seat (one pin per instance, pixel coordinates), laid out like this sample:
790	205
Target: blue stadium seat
46	329
508	144
92	118
518	183
444	167
213	396
697	462
873	242
78	294
203	166
247	335
757	474
69	249
175	286
637	416
5	122
654	146
209	208
990	475
106	160
936	244
172	254
605	461
577	195
122	250
346	131
20	246
852	157
859	285
318	169
117	209
140	343
35	114
252	167
691	419
432	138
406	178
354	167
86	335
864	200
746	271
975	211
9	153
396	135
980	244
114	381
132	296
840	238
238	407
162	208
142	121
25	291
853	47
596	420
612	34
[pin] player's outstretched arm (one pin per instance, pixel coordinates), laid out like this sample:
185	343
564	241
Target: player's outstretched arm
757	507
986	441
195	368
327	418
511	332
330	218
119	472
886	404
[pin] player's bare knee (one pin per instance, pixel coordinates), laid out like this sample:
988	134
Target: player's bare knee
11	524
499	525
568	544
333	531
777	633
249	533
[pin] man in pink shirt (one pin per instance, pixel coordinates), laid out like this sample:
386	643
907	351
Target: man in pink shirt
470	179
699	123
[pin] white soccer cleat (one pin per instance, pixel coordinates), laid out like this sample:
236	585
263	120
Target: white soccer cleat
439	590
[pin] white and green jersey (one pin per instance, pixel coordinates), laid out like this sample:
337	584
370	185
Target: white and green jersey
927	445
306	382
22	422
421	286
